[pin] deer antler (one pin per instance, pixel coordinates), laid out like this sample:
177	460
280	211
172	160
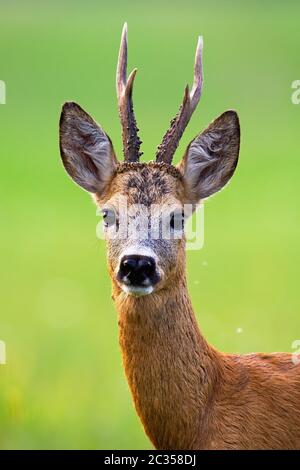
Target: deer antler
166	149
131	140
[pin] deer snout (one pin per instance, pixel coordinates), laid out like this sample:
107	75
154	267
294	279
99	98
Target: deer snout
137	271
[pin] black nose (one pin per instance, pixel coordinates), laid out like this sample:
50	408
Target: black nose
137	270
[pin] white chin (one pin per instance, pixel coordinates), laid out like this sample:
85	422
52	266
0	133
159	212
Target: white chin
137	291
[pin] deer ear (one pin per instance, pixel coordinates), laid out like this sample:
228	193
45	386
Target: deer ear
86	151
211	158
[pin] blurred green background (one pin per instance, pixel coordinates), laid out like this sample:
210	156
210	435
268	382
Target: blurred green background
63	385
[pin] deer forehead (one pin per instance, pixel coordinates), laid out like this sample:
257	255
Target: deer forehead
146	184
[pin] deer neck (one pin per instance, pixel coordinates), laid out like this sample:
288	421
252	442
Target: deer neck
170	368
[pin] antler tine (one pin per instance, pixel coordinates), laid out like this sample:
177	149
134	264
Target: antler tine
166	149
131	140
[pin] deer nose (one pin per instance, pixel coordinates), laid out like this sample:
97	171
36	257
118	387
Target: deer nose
136	270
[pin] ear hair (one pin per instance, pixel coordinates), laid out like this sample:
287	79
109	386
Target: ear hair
211	158
86	151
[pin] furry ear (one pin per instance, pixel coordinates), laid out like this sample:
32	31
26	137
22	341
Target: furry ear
211	158
86	151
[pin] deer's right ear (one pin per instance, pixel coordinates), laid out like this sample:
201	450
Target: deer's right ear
86	151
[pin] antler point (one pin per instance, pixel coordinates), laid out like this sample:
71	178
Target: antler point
125	28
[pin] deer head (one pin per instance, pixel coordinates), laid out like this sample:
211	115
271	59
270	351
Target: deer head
150	197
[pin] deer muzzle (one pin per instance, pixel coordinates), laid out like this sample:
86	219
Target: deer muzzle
138	274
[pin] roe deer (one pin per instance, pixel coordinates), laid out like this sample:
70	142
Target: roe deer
187	394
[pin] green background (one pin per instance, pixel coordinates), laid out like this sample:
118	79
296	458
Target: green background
63	385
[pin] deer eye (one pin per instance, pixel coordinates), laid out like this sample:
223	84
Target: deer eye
177	220
109	217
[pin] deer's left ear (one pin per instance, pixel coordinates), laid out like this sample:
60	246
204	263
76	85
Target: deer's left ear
86	150
211	158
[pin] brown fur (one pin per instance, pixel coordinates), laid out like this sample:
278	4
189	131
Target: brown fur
190	396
